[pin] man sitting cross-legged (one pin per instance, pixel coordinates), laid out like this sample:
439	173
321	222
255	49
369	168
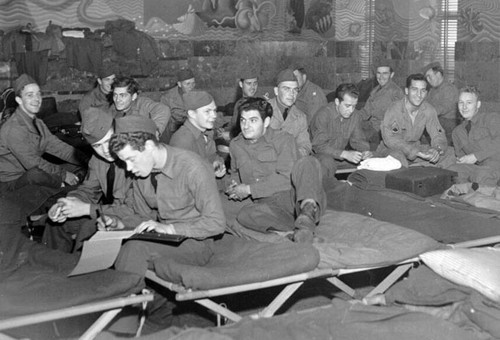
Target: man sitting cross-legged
266	169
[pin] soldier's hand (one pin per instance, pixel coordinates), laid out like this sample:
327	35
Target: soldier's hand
219	168
107	223
74	207
156	226
55	213
351	156
71	179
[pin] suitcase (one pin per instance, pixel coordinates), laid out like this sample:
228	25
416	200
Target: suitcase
422	181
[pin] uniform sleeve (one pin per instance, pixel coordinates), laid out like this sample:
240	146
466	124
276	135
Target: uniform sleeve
358	139
233	156
159	113
90	191
85	103
322	136
57	147
366	111
447	100
211	221
319	102
436	132
397	94
28	155
177	112
303	139
131	209
183	140
457	142
489	145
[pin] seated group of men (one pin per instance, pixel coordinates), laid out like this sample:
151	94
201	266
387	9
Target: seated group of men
156	167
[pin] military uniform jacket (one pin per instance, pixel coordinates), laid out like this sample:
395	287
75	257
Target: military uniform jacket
401	134
22	147
380	99
483	139
331	133
295	124
146	107
310	99
265	165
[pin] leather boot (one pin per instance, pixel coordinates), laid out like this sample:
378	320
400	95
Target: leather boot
306	223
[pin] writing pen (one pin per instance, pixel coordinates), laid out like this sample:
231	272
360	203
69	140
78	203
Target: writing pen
100	215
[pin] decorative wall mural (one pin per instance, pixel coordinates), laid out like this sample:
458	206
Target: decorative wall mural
479	21
266	20
320	17
350	20
416	22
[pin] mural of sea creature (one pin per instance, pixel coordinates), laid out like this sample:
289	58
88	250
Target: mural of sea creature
217	13
252	16
319	17
429	12
470	20
297	11
189	23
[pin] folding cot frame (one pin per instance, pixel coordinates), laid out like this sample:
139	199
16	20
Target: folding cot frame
292	284
109	307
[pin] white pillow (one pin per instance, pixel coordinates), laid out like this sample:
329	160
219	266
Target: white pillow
477	268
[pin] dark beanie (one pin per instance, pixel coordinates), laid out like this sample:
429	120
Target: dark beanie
96	122
107	70
129	124
285	75
21	82
248	73
184	74
196	99
431	65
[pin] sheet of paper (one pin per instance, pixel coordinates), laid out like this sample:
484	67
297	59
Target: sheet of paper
100	251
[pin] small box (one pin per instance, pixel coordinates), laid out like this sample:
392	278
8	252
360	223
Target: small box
422	181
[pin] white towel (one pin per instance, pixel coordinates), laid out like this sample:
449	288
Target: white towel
380	164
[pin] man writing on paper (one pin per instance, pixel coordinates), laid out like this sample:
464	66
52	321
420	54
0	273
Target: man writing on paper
176	185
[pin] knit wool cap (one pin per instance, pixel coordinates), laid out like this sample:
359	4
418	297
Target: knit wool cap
429	66
95	124
285	75
248	73
195	99
135	124
185	74
106	71
22	81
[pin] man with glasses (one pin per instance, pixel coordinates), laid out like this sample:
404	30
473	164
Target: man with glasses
286	116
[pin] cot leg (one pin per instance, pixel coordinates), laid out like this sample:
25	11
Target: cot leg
280	300
100	323
218	309
342	286
389	280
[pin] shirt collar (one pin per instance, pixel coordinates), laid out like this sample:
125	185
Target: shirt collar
194	130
